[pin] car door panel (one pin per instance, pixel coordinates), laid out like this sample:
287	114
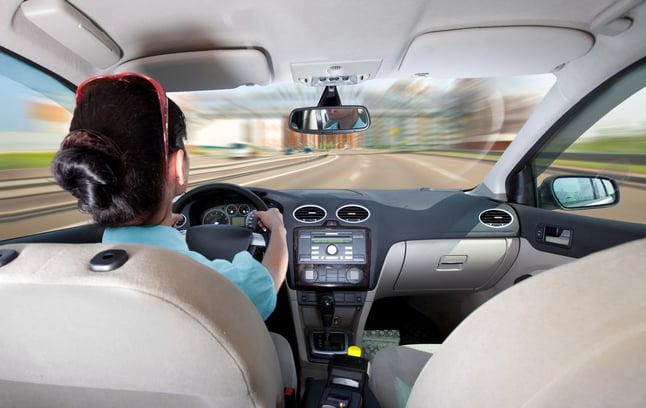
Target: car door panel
587	234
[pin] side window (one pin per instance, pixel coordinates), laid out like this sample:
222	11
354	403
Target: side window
35	116
615	147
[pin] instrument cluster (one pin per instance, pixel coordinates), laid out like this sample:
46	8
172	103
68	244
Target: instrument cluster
240	215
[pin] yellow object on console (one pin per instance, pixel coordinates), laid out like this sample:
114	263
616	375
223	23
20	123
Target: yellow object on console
354	351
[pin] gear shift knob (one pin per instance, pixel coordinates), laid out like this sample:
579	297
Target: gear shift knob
326	305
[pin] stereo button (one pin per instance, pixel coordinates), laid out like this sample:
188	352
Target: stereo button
332	276
309	275
353	275
331	249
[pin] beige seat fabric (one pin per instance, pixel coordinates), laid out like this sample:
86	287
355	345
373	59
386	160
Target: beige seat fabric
574	336
394	370
161	330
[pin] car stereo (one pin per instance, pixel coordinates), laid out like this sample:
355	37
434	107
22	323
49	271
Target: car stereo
331	257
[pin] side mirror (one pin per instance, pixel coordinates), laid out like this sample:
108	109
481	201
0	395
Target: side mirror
578	192
330	119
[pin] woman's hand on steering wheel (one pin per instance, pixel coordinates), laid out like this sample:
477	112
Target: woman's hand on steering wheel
269	219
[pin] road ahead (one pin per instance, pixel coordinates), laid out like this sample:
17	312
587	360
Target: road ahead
375	171
344	169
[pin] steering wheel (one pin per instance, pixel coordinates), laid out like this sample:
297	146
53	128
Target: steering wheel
223	241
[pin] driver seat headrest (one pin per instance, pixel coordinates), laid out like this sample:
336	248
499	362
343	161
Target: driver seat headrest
158	330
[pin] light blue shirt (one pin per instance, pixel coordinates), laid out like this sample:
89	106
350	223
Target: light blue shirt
244	271
357	125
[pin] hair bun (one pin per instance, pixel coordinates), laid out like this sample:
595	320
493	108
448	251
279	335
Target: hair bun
91	139
90	166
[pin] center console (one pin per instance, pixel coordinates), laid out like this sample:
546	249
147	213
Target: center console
331	275
346	385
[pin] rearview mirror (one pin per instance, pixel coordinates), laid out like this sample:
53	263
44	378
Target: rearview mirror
578	192
330	119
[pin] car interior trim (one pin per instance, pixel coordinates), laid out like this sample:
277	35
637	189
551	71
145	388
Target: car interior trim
518	50
205	70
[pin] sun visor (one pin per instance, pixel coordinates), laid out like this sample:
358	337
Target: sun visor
71	28
494	51
204	70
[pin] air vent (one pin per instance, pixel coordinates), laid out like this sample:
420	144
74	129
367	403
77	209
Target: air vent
353	213
496	218
309	213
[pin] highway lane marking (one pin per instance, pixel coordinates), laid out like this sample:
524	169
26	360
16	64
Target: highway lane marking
289	172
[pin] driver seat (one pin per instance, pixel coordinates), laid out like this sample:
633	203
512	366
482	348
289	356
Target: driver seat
78	329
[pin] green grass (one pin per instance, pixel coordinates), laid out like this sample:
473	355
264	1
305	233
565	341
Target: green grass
25	160
633	168
636	145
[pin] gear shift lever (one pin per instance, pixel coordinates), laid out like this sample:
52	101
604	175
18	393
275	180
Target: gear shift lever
327	341
326	305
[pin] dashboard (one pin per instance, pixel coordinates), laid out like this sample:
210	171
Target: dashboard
347	239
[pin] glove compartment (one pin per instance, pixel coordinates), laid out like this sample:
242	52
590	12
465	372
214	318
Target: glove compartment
453	264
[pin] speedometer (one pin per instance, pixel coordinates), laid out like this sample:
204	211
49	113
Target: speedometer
215	216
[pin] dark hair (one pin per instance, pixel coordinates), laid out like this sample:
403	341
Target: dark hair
112	160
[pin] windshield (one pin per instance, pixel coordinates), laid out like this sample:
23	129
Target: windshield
429	133
443	134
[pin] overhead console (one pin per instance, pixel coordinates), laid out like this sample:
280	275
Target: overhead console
332	258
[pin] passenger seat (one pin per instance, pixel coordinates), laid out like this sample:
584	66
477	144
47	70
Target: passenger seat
573	336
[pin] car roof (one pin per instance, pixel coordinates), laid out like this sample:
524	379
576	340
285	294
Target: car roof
197	44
